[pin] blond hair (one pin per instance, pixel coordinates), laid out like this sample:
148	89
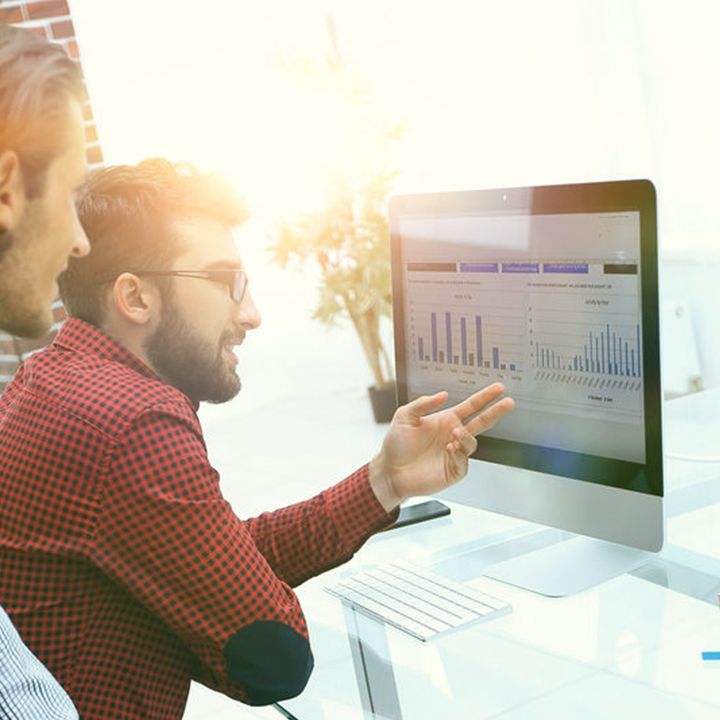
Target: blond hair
37	81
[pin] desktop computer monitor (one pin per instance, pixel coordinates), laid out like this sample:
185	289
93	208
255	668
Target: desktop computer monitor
552	290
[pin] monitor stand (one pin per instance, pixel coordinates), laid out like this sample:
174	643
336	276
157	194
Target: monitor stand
569	566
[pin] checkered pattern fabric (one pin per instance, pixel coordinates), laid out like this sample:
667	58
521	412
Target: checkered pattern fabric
122	565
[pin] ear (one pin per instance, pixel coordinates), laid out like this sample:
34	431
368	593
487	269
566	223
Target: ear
12	190
135	301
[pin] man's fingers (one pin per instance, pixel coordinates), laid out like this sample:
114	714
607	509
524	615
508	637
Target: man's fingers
423	405
475	403
478	405
463	441
489	416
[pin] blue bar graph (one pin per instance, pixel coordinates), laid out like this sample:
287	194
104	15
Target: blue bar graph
478	336
472	350
433	330
448	336
608	352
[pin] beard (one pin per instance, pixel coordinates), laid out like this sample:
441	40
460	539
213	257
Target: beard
24	298
190	363
6	242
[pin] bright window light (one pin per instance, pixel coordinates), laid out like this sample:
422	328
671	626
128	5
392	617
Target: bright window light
491	93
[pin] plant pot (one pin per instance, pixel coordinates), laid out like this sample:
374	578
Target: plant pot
384	402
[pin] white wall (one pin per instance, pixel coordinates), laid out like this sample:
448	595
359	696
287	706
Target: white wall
695	279
493	93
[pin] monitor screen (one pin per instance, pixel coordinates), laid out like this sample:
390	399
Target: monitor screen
553	291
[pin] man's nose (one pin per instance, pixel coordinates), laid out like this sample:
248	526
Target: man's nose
81	246
247	314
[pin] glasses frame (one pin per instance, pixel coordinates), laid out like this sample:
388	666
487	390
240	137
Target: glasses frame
236	281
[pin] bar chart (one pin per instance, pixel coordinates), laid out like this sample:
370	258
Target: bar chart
571	343
614	352
591	338
490	340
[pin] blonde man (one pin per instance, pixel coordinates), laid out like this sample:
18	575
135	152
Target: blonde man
42	162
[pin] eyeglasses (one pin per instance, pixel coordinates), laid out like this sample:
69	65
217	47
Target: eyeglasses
235	280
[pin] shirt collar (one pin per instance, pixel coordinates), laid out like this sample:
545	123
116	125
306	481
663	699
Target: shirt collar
79	336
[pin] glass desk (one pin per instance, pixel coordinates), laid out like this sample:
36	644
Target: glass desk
631	645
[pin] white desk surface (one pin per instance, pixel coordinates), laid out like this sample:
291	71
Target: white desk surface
623	649
628	647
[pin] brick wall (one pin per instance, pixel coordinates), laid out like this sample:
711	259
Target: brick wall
52	20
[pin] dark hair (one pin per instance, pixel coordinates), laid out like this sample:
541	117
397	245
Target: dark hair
37	81
127	212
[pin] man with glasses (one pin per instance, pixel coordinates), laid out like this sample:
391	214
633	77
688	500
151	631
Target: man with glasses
117	513
42	161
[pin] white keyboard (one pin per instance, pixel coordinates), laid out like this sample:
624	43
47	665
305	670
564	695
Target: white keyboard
418	601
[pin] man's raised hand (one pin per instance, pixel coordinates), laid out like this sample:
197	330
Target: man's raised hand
426	449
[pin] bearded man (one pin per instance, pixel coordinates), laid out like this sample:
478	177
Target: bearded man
144	578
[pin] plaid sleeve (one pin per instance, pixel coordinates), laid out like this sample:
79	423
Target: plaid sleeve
168	537
308	538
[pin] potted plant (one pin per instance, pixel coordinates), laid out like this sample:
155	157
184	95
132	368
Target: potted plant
345	235
347	239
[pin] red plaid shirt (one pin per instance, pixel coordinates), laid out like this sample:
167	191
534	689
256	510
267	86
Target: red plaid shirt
121	564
